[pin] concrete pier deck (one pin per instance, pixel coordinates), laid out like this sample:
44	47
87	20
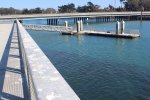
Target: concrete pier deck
12	79
98	33
108	34
5	30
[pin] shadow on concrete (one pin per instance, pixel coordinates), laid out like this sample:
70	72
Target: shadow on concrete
14	38
11	97
4	68
14	48
13	70
14	42
3	63
14	56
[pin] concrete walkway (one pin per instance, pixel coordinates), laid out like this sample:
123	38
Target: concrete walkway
5	30
13	84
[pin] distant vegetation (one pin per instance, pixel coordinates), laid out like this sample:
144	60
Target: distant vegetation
126	5
136	5
38	10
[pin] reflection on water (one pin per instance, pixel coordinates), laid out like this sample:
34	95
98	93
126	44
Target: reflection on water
80	39
66	38
120	43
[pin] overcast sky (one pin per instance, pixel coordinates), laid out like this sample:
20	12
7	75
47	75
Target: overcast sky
20	4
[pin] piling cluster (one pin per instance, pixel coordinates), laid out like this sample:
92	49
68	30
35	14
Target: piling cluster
66	24
120	27
79	26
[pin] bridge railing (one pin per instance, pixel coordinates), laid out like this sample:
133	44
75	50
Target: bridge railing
44	80
65	15
47	27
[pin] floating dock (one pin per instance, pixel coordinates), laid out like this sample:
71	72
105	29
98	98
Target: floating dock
106	34
120	31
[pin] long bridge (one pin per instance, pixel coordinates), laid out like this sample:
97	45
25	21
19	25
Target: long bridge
53	19
74	15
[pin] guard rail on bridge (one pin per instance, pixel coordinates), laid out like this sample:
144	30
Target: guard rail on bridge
44	81
72	15
47	28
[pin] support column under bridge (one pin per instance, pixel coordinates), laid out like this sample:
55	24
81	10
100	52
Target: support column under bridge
52	21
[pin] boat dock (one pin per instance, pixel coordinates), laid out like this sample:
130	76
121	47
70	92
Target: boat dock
105	34
120	31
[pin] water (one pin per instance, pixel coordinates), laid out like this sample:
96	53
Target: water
100	68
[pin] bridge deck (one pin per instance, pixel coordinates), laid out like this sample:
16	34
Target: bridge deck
72	15
12	79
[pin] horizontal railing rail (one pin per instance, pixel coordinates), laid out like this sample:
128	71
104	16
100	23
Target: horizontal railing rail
65	15
44	80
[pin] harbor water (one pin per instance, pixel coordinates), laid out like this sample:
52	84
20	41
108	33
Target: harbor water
101	68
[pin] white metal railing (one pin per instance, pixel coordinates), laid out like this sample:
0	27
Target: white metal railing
47	27
44	80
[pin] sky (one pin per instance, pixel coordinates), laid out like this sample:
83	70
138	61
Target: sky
20	4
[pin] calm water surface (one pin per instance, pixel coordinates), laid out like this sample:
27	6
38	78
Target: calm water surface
100	68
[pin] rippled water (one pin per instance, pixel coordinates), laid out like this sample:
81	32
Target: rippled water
100	68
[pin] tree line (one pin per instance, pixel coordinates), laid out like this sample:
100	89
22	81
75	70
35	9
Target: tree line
126	5
38	10
69	8
136	5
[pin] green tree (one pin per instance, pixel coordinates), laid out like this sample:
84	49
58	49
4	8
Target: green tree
50	10
11	10
25	11
90	7
121	2
37	10
69	8
135	5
